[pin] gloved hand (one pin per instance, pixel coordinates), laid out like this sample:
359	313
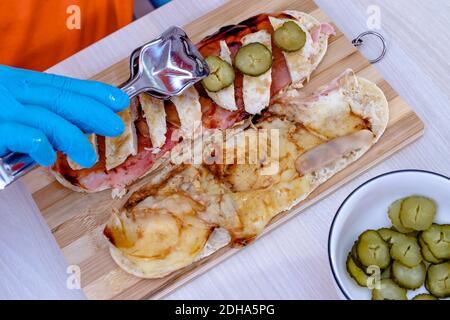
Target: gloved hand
41	113
159	3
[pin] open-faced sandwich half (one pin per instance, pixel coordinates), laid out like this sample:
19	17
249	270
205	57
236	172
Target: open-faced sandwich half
251	64
189	211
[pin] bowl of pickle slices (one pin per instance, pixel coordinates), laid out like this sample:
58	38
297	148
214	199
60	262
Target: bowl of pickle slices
390	238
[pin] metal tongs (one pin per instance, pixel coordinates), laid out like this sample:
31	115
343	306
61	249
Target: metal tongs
166	66
163	68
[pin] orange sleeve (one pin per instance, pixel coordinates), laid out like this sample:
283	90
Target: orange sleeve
35	33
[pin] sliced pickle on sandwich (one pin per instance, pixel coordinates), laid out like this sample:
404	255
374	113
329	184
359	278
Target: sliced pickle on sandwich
253	59
289	37
221	74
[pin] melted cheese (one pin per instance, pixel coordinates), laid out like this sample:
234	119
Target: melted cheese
331	116
118	149
258	196
169	228
156	119
297	61
256	90
93	141
225	97
328	115
159	238
189	111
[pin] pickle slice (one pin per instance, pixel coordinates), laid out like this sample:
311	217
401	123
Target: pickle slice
253	59
402	247
389	290
394	216
221	74
406	250
355	255
417	213
413	234
427	254
289	37
372	250
424	296
409	278
389	235
438	280
356	272
387	273
437	238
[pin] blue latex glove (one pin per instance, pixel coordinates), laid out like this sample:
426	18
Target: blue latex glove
41	113
159	3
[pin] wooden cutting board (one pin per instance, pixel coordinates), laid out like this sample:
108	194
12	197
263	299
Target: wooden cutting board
77	220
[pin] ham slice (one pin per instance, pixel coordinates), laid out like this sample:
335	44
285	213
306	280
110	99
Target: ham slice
327	29
324	28
130	170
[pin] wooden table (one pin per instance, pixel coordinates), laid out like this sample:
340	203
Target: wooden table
291	262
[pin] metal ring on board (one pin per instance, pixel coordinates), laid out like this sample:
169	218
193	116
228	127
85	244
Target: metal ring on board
358	41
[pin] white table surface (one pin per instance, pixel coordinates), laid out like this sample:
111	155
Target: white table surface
291	262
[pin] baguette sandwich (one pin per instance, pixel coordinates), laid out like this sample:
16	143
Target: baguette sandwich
149	137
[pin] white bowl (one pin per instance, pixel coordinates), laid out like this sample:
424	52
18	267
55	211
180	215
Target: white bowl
366	208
